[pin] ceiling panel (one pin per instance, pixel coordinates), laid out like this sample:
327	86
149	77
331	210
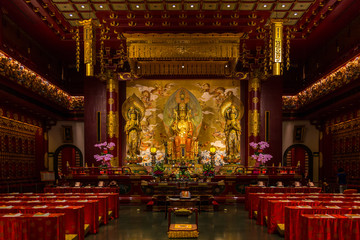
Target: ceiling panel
83	7
119	7
155	6
246	6
65	7
210	6
301	6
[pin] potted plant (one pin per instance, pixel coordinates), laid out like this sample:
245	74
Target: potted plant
105	156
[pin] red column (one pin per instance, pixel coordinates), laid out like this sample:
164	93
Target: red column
112	118
253	115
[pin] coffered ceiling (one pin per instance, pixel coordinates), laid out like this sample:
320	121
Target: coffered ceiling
247	16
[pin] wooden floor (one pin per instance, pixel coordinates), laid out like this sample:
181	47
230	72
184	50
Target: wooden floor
230	223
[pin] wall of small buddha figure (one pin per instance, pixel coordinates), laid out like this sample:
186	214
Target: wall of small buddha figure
23	146
210	95
340	145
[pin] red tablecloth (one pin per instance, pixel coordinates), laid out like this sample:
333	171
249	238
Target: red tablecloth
264	206
91	212
330	227
113	199
74	215
103	203
82	189
276	211
293	213
278	190
30	227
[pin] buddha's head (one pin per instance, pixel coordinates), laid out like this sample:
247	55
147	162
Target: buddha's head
132	113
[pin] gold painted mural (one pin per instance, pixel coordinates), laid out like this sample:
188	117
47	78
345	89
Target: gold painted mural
209	93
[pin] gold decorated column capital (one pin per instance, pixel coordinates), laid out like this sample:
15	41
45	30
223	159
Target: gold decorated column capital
89	45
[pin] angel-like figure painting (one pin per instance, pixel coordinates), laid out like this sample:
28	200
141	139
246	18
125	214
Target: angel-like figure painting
232	110
133	112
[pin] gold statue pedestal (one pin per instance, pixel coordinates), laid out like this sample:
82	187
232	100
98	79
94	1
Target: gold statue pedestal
133	165
230	167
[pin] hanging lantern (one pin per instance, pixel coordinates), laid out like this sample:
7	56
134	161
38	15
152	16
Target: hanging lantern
89	46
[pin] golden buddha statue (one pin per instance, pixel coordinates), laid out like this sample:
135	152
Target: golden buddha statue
232	110
182	121
133	130
232	132
183	130
133	110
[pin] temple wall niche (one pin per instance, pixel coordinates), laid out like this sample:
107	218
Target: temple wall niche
209	93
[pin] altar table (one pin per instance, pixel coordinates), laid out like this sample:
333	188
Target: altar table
32	227
74	215
330	226
293	227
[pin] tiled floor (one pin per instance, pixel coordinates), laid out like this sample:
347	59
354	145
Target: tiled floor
136	223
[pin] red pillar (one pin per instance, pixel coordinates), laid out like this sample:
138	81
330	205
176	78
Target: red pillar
112	117
253	115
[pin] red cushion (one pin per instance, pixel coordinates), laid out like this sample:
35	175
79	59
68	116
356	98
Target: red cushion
150	203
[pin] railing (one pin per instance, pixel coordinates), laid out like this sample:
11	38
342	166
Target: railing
267	170
99	171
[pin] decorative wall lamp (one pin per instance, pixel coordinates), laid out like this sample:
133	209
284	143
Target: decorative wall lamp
212	154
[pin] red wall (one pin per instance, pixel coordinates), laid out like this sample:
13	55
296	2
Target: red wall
271	100
95	101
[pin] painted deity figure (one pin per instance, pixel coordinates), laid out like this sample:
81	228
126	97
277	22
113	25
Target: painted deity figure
232	132
133	130
183	129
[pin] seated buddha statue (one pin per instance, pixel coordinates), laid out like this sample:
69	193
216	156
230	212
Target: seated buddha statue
183	131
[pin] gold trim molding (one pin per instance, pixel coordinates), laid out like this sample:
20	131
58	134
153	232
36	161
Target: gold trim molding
183	46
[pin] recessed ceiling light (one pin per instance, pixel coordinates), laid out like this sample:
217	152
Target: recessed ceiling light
137	6
174	6
283	5
191	6
70	15
182	66
226	65
82	6
265	5
295	13
228	5
138	67
101	6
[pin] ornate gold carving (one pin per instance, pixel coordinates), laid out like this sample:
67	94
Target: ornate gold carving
1	112
112	84
183	46
254	84
255	100
254	123
112	124
111	101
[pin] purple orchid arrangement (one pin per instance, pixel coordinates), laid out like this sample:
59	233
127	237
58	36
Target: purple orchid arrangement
259	149
105	156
